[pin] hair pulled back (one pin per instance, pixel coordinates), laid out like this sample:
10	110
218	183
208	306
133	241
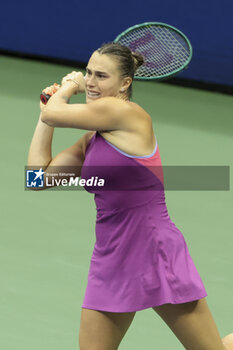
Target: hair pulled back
128	61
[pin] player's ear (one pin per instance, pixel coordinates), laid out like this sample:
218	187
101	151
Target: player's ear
126	84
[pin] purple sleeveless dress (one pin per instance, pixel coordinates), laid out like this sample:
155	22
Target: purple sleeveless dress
140	258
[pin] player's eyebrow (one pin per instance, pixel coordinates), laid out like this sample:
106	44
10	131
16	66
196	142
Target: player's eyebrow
97	71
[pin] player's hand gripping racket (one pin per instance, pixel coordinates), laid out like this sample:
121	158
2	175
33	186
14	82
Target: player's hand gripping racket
47	93
166	50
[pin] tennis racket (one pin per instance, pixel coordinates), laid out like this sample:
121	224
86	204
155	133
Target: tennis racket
166	50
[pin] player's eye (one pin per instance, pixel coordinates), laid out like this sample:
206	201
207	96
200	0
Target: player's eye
101	75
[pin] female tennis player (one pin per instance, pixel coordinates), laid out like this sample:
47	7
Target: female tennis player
140	259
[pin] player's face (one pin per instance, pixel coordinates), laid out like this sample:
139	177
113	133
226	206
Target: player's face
102	77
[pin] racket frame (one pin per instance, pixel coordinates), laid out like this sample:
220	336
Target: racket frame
146	24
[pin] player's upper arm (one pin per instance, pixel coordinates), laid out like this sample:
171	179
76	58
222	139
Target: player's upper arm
106	113
73	155
68	161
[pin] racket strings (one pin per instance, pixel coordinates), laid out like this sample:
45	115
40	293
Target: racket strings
177	51
167	50
163	49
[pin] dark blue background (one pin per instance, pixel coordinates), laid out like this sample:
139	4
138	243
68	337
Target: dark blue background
73	29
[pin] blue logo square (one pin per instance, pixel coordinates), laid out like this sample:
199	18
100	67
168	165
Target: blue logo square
35	178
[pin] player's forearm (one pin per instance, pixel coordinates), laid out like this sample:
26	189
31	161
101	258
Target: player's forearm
40	151
57	104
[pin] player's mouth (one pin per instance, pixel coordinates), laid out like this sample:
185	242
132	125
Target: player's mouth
93	94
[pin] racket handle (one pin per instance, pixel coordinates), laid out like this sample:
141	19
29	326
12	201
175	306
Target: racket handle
44	97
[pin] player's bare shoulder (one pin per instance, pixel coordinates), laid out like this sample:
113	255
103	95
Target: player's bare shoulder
136	109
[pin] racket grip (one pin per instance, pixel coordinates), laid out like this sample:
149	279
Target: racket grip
44	97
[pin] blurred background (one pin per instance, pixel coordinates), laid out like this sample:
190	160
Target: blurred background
47	237
72	30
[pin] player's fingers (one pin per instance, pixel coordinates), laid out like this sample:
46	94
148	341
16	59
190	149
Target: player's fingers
51	89
66	78
48	89
48	92
55	87
69	76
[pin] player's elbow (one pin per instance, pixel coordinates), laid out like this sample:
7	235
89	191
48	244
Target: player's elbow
46	117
